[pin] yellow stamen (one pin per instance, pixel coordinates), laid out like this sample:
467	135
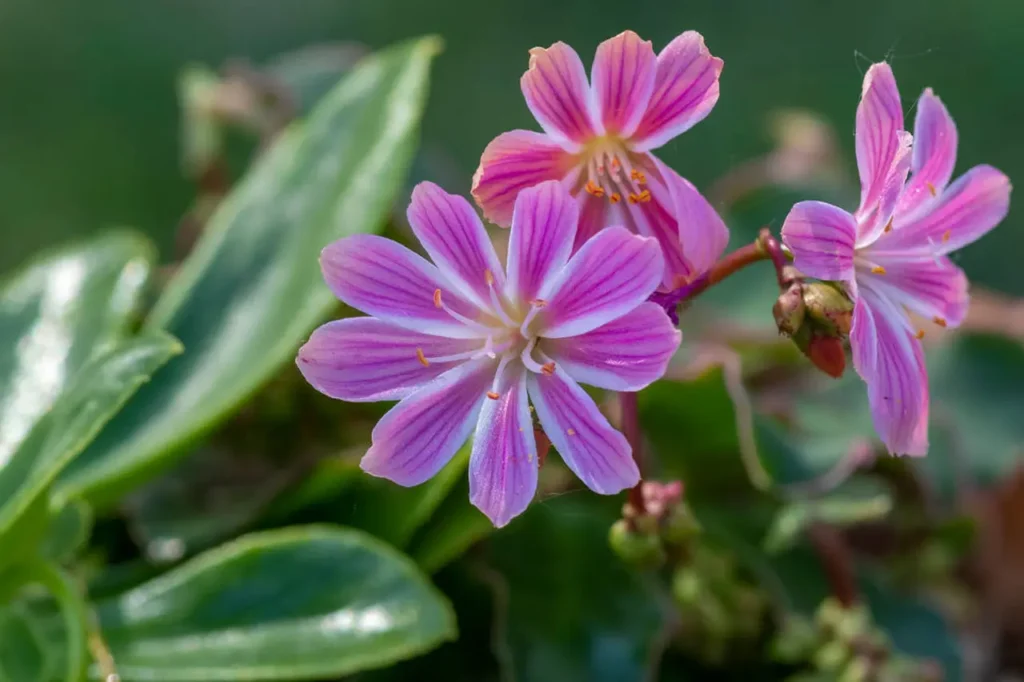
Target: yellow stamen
571	432
422	358
437	298
888	226
919	334
645	196
615	198
492	395
941	321
878	270
931	188
548	368
594	189
946	236
615	164
634	198
638	176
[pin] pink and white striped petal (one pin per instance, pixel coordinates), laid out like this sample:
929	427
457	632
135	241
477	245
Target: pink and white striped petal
975	203
935	142
384	279
626	354
879	121
623	80
702	233
595	215
934	288
451	232
543	230
421	434
872	224
821	237
512	162
891	362
556	90
685	92
362	359
594	451
503	465
609	276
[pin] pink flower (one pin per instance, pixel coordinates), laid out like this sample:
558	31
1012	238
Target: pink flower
465	344
891	254
597	140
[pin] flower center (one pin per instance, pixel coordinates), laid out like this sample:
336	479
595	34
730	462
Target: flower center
612	172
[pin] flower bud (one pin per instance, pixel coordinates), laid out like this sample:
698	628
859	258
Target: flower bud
643	550
680	525
829	308
857	670
789	309
825	351
831	657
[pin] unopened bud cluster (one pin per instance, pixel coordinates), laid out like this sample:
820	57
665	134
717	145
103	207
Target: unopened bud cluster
817	316
843	644
642	537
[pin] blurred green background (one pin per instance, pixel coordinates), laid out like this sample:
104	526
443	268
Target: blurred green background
89	125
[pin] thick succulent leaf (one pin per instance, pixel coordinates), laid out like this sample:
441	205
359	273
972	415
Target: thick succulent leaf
95	395
69	529
568	609
250	292
301	603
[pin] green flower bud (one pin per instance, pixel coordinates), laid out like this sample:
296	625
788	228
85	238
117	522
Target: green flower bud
643	550
857	670
831	657
854	624
795	641
687	587
789	309
680	525
829	615
829	308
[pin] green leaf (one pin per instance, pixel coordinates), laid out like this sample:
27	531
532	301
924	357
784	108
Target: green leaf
251	291
301	603
69	530
567	608
856	501
54	315
95	395
23	656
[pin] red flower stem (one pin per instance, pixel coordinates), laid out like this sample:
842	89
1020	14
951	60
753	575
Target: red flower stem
631	429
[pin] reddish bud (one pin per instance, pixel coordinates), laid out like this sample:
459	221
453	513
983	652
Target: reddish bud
827	354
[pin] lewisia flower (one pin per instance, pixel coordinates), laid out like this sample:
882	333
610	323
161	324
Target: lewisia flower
891	254
466	345
597	141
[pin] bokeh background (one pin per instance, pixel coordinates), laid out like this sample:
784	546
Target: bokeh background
89	128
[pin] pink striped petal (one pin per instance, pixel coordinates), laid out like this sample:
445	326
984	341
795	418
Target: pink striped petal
871	224
701	231
543	229
975	203
419	435
512	162
685	91
935	142
623	80
822	239
879	120
503	465
388	281
625	354
556	90
362	359
595	215
611	275
598	454
891	362
934	288
451	232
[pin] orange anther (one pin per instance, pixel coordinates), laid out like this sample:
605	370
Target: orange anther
919	334
422	358
878	270
634	198
594	189
946	236
489	277
492	395
888	226
571	432
615	198
538	303
638	176
941	321
645	196
437	298
931	188
548	368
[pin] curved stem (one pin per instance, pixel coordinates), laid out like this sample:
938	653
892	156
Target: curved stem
631	429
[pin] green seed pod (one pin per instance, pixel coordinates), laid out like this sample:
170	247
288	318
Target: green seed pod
643	550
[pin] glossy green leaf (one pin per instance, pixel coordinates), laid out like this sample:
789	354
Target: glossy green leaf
23	657
54	315
567	608
251	291
95	395
302	603
68	531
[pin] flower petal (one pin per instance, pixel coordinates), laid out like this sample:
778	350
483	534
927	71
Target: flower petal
934	288
594	217
656	218
625	354
701	231
685	91
419	435
503	465
611	275
451	232
543	229
388	281
822	239
871	224
975	203
935	142
362	359
623	80
879	120
891	362
556	90
512	162
598	454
